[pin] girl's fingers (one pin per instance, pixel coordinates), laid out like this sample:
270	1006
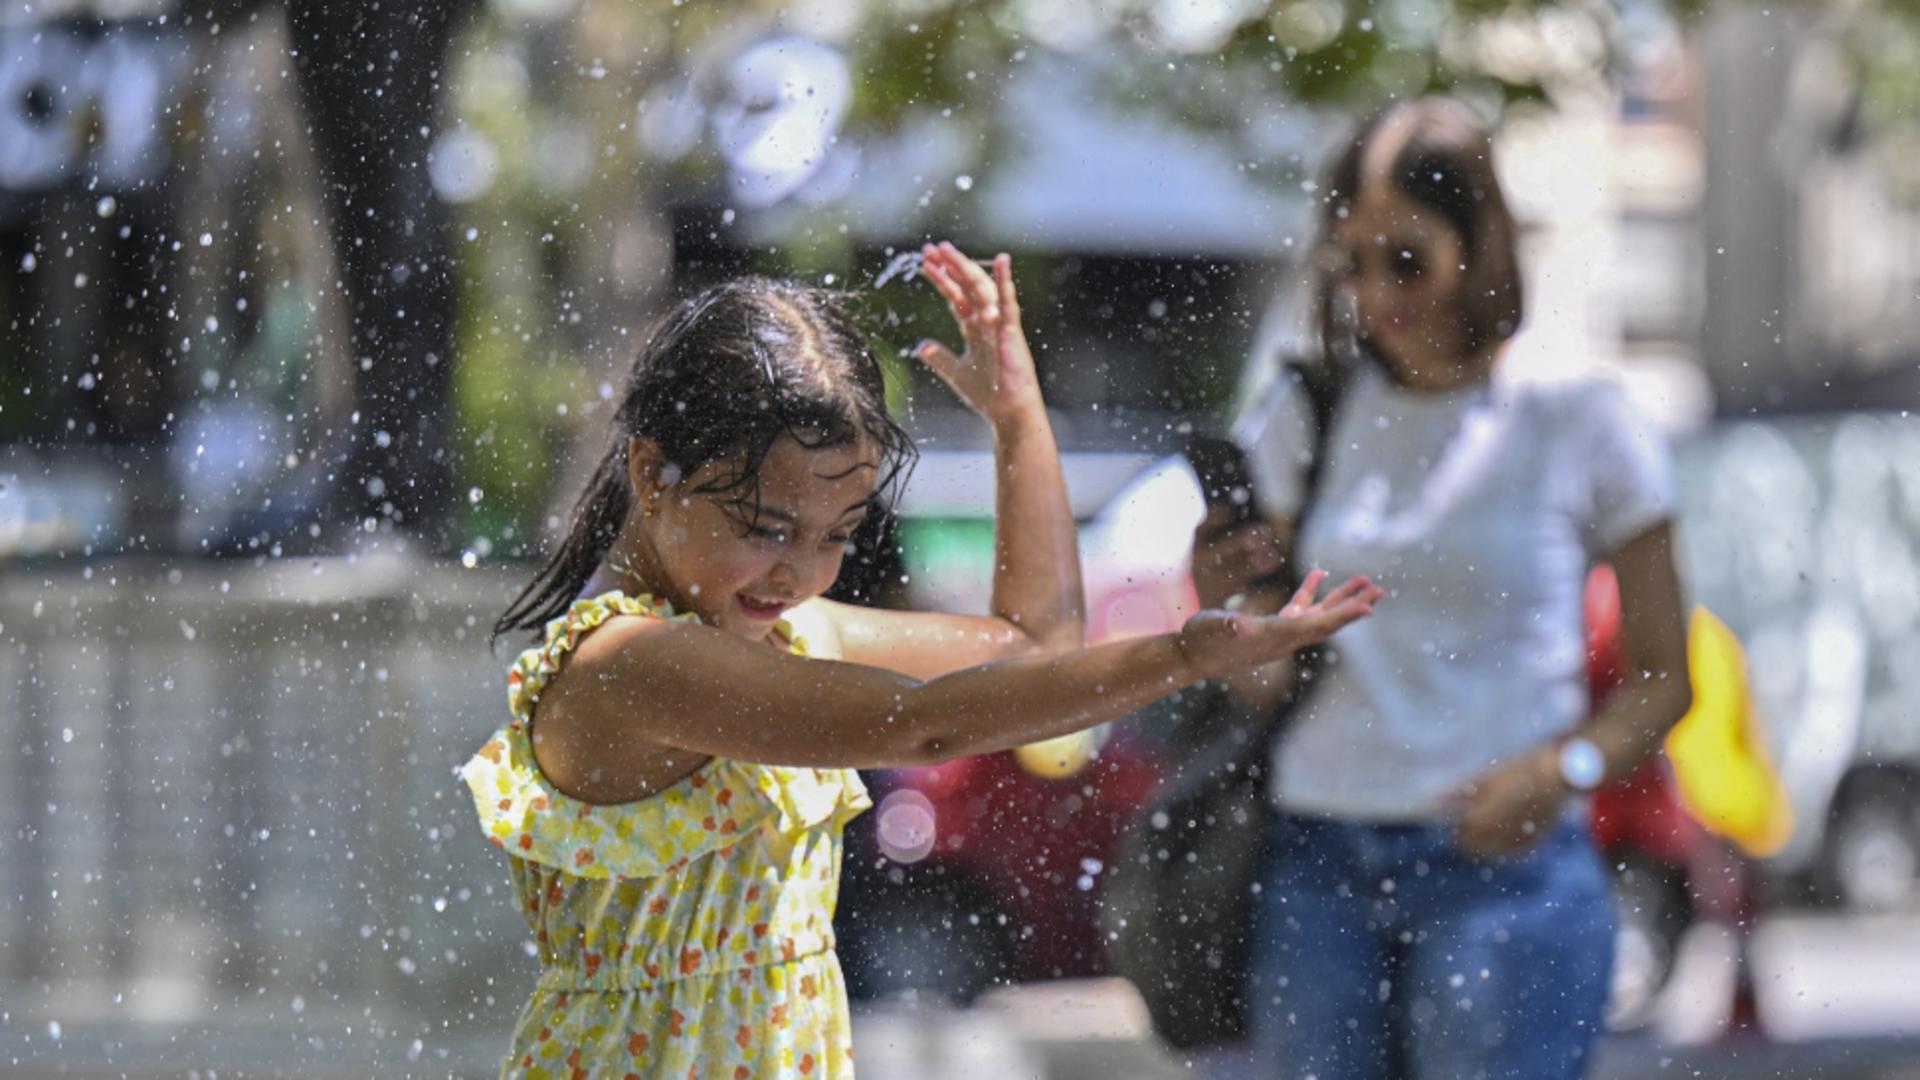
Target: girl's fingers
1003	277
1350	588
935	268
938	357
1303	596
942	279
980	286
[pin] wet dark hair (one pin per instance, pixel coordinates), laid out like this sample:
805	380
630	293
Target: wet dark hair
1446	163
723	377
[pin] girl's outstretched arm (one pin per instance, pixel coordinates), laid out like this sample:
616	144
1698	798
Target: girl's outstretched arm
638	685
1038	603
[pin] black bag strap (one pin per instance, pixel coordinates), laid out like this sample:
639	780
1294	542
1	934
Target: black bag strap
1324	387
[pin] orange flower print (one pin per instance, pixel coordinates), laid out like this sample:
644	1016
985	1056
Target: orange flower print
779	1017
806	1064
690	961
743	1035
725	796
675	1024
637	1045
583	857
526	841
808	987
657	906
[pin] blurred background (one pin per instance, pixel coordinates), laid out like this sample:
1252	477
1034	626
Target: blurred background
306	307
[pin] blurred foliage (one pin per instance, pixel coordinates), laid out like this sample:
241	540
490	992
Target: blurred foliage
553	294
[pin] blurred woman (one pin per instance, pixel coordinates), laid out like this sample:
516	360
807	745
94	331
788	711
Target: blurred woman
1433	905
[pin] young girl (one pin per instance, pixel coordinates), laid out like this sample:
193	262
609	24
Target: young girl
673	784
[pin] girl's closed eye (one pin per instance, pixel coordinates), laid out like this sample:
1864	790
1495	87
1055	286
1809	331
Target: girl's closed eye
772	534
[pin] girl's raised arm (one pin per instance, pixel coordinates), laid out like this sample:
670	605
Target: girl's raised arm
1038	603
637	684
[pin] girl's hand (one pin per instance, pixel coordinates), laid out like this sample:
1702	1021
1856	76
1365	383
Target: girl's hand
1510	808
1218	643
994	376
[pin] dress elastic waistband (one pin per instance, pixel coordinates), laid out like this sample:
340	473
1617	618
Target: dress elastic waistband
572	979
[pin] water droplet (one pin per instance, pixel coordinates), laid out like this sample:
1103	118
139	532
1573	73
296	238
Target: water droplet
469	559
474	495
905	265
963	182
206	239
66	735
107	206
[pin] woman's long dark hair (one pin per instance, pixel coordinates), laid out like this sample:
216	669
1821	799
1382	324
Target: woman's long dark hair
721	378
1444	162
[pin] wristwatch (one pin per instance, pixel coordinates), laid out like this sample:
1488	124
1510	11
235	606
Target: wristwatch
1582	765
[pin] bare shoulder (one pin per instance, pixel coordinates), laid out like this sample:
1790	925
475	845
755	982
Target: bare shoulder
594	737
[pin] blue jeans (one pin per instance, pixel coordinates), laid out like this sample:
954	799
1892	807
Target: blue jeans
1386	951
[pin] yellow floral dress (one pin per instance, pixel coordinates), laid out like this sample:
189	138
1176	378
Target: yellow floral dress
688	934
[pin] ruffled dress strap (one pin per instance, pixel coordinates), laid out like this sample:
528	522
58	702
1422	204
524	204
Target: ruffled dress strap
720	803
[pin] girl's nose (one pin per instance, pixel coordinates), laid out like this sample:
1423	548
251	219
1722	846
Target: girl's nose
788	573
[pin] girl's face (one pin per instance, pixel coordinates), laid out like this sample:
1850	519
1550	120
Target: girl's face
1404	265
742	575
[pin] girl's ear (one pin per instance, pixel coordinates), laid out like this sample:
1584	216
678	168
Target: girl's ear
645	468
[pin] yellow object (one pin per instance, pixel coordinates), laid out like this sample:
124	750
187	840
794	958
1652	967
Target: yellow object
1720	760
1058	758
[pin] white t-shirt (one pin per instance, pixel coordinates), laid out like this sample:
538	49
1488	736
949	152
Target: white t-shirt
1480	510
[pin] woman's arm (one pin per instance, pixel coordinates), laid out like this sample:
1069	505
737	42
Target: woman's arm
1653	636
1508	807
637	685
1038	603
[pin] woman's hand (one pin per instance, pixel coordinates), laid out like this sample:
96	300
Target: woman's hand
1510	808
1228	558
1218	643
994	375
